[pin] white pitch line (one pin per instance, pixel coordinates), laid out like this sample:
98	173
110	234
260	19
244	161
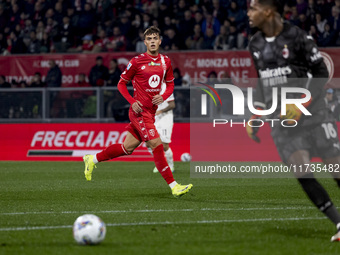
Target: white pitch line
123	224
164	210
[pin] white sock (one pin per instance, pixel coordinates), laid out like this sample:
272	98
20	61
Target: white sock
169	158
150	150
338	226
173	184
95	160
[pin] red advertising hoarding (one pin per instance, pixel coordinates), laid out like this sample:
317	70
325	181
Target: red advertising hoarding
72	141
69	142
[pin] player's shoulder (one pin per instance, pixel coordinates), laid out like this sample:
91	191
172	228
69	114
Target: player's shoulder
138	58
166	57
256	40
293	31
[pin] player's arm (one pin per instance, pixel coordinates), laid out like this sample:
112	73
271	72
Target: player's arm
258	104
126	76
171	106
170	85
318	69
316	65
169	80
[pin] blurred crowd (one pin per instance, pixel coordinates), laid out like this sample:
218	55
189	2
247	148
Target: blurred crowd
44	26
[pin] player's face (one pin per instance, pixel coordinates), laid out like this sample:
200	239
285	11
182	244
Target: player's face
152	43
257	14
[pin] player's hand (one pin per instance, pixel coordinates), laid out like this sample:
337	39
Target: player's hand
157	99
137	107
252	131
292	112
158	112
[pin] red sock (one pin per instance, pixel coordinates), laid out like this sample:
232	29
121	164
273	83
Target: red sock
162	165
113	151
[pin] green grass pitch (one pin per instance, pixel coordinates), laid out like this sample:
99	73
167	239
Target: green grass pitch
39	201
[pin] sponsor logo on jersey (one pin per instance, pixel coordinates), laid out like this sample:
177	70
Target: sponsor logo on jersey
154	64
129	66
285	52
152	132
154	81
275	72
143	67
316	55
152	90
257	54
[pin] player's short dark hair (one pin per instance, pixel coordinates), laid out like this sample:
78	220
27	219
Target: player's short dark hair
152	30
276	4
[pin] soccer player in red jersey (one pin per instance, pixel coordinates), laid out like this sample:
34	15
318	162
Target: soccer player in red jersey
147	71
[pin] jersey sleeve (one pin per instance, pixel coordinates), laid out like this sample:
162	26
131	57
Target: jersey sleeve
316	65
312	54
259	101
169	76
130	70
170	98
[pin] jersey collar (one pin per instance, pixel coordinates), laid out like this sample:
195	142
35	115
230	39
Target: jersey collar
152	57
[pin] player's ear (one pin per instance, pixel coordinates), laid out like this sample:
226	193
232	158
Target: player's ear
269	11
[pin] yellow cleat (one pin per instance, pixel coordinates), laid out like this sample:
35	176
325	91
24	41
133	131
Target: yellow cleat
179	190
89	166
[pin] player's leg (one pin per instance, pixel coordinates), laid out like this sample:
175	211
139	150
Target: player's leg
314	190
164	169
333	166
164	125
169	155
112	151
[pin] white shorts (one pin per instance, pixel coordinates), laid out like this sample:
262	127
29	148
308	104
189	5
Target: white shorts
164	123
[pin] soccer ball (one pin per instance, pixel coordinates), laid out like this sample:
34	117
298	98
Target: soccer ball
186	157
89	229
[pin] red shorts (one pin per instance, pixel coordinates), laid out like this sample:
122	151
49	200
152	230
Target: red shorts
142	126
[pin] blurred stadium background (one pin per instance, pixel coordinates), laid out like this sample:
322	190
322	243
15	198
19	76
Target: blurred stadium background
59	66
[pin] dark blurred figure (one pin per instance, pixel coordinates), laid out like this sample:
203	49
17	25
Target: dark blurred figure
195	41
75	103
65	36
3	82
186	26
37	81
117	42
54	75
34	44
332	103
87	21
178	77
16	44
99	73
170	40
114	73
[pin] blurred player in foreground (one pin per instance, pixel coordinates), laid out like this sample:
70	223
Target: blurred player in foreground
164	122
281	51
147	71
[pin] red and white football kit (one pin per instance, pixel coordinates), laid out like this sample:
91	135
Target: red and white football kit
147	74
